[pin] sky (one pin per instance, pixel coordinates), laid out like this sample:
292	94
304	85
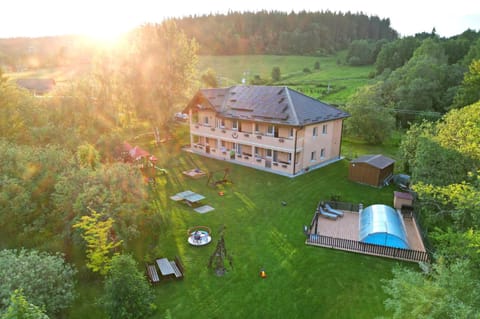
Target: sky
108	18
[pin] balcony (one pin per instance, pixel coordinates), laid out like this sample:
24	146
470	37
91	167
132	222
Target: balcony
244	137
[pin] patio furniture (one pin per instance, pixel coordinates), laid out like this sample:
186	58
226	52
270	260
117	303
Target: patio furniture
170	268
152	274
188	197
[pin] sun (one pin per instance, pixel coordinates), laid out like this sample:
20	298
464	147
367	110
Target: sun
105	37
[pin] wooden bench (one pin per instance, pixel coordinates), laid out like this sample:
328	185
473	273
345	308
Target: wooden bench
178	273
179	267
152	274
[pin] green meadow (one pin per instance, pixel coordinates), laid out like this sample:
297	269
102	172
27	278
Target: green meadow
334	82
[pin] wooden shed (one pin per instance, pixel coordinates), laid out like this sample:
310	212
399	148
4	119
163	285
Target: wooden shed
372	170
402	199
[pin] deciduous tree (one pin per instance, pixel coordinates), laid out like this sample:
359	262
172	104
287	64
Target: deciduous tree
161	68
45	279
127	294
370	119
443	292
100	245
20	308
469	91
276	75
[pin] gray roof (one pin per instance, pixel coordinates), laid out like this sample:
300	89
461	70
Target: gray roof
38	85
272	104
378	161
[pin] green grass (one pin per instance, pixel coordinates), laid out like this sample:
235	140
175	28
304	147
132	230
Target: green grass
303	281
353	147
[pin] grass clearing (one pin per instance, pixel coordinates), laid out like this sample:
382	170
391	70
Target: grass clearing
302	282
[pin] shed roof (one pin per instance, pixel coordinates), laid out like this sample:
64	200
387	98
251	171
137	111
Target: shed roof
378	161
272	104
38	85
403	195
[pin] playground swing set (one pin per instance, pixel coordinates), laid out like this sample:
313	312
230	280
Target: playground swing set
215	181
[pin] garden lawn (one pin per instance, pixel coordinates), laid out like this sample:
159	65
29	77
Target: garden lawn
302	282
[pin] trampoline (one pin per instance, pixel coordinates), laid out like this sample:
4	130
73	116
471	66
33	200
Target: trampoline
199	236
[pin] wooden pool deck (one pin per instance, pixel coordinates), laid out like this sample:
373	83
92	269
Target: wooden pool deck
347	227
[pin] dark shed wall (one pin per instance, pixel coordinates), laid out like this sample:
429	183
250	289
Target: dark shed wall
367	174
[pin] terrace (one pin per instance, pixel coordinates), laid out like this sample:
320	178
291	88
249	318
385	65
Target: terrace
343	234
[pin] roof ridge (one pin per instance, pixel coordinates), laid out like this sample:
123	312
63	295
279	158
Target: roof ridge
292	106
224	102
374	157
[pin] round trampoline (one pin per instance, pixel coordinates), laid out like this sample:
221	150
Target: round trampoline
199	236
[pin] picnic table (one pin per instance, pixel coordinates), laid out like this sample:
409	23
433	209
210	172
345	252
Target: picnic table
170	268
189	197
165	267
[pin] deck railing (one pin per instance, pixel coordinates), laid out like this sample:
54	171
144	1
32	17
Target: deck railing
369	249
351	207
361	247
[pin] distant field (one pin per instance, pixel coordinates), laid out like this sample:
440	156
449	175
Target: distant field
334	82
59	74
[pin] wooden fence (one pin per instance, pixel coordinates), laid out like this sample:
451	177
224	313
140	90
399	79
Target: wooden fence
369	249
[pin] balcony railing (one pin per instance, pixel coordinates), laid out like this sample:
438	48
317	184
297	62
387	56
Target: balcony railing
244	137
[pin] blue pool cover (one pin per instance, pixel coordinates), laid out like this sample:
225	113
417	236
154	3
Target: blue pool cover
382	225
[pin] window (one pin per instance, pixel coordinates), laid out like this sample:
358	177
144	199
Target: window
205	120
324	129
322	153
269	153
315	131
271	130
313	157
290	132
220	123
257	152
257	128
289	157
235	125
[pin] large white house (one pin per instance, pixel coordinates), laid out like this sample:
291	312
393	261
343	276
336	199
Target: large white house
272	128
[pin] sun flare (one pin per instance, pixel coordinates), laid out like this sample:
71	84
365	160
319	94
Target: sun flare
107	34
